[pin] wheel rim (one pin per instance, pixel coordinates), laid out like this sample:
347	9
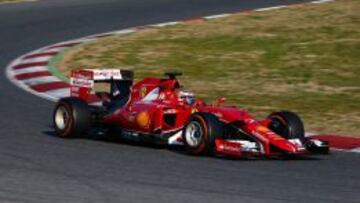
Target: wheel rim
194	134
61	118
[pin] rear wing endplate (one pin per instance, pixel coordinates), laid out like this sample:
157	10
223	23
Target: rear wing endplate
82	81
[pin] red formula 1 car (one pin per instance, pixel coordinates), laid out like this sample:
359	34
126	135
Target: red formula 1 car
158	110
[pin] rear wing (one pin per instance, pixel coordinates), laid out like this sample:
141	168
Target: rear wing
82	81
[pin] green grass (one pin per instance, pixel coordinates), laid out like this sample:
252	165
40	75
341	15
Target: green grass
306	59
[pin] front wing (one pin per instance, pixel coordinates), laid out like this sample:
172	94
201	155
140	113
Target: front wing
243	148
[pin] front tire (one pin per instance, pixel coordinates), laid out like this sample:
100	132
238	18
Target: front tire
71	117
200	133
287	124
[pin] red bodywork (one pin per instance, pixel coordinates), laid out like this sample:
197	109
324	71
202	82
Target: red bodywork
155	108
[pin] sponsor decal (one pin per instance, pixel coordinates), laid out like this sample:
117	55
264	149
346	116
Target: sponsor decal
143	91
194	111
262	129
231	148
80	82
143	119
107	74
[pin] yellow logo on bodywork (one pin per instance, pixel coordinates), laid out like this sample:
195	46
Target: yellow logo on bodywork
262	129
143	91
143	119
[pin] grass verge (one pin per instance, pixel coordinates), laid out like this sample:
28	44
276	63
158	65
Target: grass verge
303	58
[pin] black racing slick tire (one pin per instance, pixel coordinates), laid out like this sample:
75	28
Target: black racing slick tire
71	117
287	124
200	132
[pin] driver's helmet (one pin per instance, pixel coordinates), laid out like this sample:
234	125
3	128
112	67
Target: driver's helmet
187	97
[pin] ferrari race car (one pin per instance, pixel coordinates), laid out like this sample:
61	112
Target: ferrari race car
159	111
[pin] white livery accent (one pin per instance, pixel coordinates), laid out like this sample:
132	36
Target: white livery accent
247	146
174	140
271	8
297	143
106	74
321	1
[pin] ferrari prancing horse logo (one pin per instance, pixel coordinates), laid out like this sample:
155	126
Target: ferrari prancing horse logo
143	91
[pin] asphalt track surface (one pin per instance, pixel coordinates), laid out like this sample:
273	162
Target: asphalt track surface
35	166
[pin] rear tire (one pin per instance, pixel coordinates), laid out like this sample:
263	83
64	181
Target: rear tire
287	124
71	118
200	132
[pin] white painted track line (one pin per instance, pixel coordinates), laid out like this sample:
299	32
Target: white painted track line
321	1
271	8
37	59
40	80
217	16
30	70
165	24
59	93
